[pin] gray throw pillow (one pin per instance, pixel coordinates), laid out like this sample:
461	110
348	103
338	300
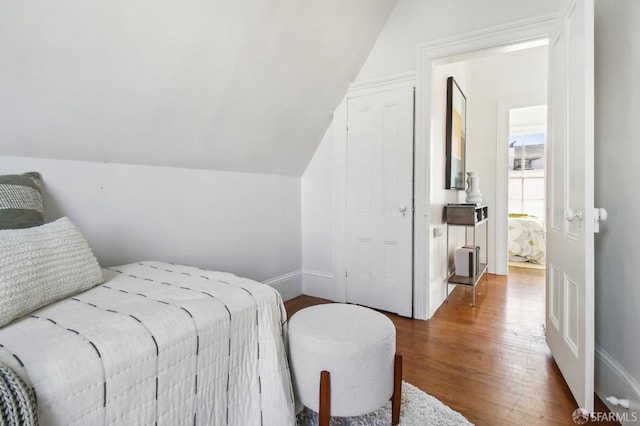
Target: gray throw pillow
21	201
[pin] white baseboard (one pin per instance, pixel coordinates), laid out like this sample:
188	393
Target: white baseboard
311	283
439	289
611	379
318	284
288	285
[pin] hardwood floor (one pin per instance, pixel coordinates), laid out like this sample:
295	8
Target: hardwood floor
491	362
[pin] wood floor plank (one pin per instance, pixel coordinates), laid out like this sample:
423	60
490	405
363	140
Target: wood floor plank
489	362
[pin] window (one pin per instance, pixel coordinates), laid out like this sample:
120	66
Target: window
526	174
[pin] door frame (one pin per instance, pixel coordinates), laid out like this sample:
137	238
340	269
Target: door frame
340	154
502	175
466	46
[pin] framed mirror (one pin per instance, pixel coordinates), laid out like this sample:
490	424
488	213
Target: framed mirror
456	133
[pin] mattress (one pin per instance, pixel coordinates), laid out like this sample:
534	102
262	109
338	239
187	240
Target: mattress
526	239
157	343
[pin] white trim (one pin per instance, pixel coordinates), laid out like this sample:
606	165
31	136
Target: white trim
318	274
509	37
502	191
613	380
526	130
393	82
502	175
421	197
318	284
501	38
283	277
288	285
340	194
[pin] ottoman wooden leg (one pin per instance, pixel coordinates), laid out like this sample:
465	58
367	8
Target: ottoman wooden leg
397	390
325	399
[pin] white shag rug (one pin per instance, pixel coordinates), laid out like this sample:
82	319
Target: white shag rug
417	409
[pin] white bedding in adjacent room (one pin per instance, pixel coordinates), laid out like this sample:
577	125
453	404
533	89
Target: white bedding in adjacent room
157	344
526	239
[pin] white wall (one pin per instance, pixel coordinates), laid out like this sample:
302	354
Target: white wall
318	209
239	85
248	224
617	151
440	197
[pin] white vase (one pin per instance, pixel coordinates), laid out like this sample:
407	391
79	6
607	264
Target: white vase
474	196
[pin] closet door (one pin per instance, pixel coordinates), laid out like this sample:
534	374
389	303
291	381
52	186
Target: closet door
379	202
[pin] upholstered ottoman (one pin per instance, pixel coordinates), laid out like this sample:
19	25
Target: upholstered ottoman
343	360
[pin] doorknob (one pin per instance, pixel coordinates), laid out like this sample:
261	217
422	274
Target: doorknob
570	215
402	208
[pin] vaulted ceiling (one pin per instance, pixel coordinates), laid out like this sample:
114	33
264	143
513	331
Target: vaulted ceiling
240	85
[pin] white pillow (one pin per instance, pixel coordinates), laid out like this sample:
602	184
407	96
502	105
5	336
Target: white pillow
43	264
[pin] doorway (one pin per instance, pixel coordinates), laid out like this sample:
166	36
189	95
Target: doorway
526	242
483	153
496	82
571	217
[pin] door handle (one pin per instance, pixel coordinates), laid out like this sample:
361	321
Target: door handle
570	215
402	209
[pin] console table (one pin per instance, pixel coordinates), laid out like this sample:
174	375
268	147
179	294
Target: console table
469	216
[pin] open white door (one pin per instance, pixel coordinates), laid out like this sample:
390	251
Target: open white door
379	207
570	200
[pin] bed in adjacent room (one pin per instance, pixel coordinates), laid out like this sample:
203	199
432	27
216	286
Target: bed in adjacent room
526	239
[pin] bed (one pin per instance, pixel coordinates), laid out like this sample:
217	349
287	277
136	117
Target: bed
526	239
147	343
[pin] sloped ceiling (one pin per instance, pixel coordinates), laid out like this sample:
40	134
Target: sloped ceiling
240	85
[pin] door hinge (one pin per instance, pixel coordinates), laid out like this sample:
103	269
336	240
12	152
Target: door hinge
346	274
599	214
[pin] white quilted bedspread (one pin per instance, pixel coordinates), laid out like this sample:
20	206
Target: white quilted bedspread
157	344
526	239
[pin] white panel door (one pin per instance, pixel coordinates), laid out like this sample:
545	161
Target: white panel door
570	202
379	206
